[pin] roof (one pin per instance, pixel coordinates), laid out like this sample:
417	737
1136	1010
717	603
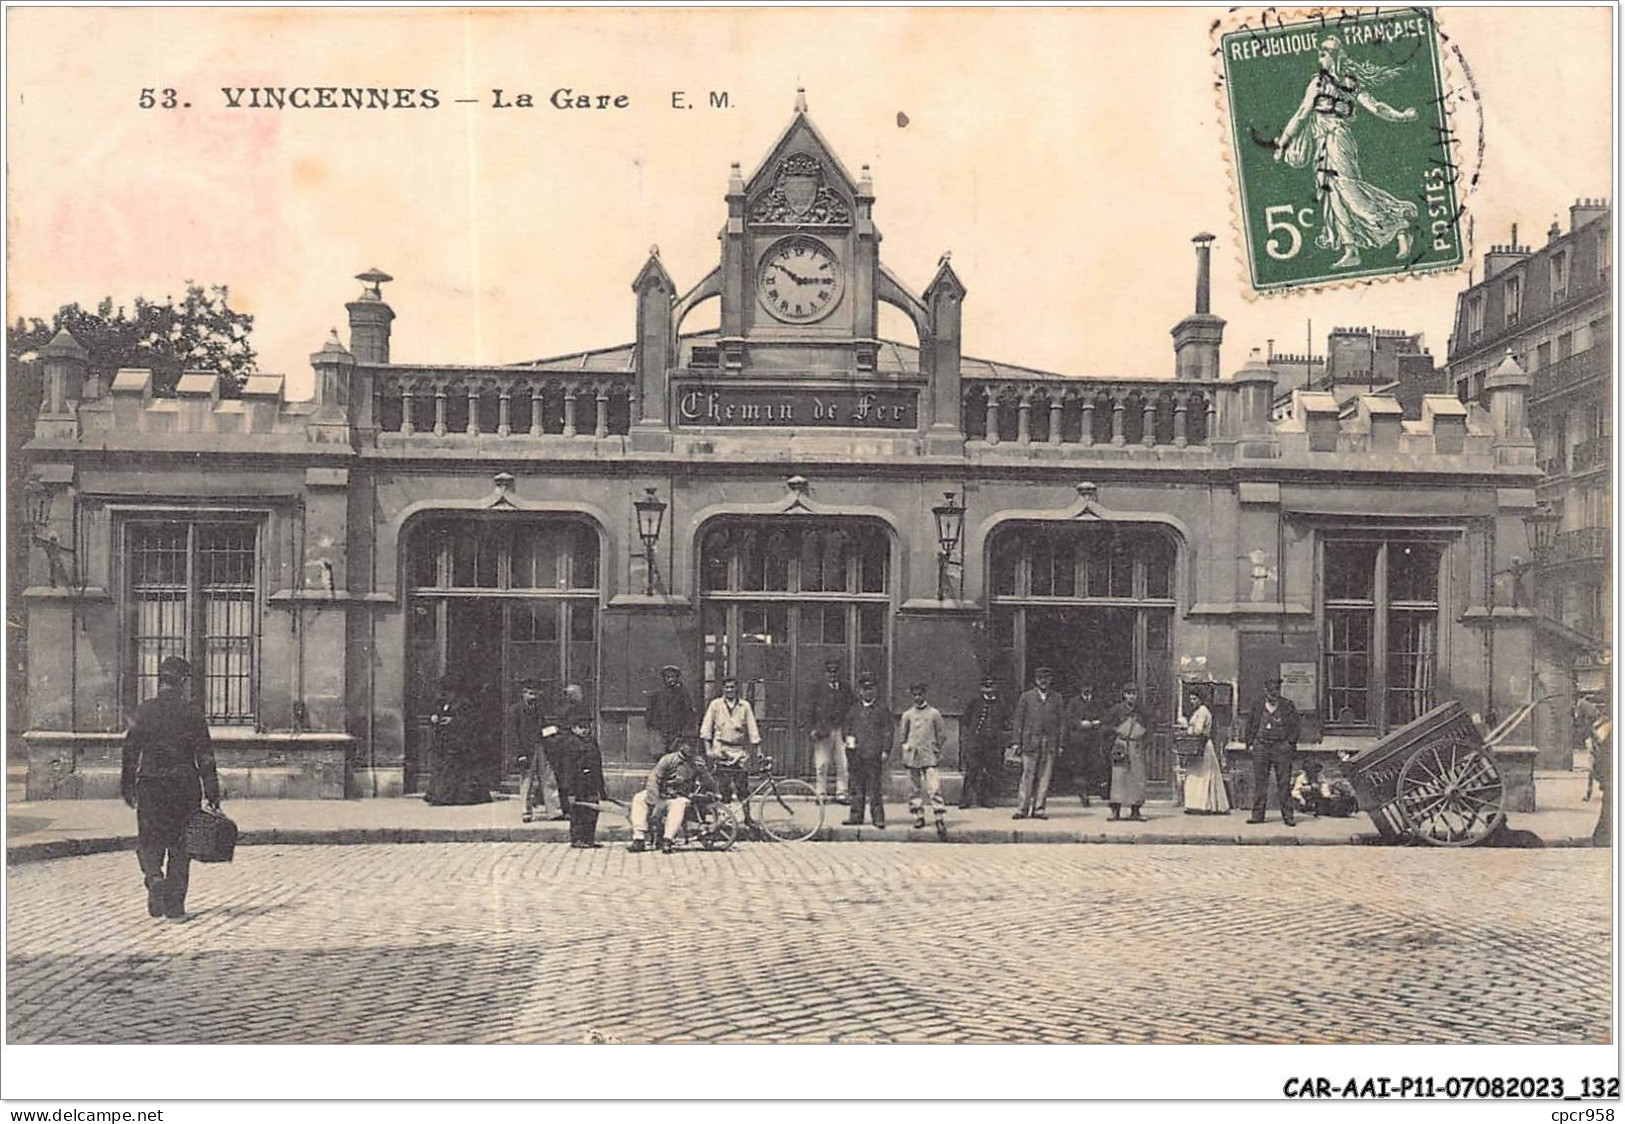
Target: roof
893	357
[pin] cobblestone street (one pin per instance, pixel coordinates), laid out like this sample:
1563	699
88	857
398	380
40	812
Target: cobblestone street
817	943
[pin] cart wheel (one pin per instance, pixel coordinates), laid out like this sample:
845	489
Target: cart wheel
1451	794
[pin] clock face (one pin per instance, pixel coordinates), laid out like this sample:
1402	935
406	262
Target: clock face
799	280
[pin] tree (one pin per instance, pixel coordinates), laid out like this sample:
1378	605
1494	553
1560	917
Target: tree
201	333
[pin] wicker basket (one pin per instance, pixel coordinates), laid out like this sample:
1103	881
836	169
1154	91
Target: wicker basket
210	836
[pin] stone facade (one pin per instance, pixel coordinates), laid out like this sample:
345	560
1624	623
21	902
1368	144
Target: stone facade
1548	311
326	561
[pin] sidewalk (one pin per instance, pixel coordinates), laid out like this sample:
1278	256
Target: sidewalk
61	828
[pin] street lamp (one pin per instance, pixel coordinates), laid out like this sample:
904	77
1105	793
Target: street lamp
1540	525
38	497
651	513
950	516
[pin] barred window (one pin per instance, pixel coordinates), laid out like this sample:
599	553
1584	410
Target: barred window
1380	626
193	592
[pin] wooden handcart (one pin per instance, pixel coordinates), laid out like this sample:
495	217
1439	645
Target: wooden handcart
1432	780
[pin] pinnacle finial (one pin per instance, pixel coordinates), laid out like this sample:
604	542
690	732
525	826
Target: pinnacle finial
654	250
801	99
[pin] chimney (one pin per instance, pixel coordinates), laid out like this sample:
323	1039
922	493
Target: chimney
65	361
1501	258
370	318
1198	336
1586	210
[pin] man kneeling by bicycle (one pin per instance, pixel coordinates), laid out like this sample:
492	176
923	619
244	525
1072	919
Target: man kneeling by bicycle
673	783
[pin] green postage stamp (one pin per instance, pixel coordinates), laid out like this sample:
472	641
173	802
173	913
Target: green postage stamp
1344	157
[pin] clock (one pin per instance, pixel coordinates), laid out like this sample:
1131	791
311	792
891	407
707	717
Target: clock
799	280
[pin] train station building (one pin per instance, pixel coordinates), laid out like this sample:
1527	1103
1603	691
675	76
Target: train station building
787	489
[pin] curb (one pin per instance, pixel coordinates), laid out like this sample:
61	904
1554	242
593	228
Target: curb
19	853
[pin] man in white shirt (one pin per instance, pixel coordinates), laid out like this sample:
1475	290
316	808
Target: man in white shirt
731	737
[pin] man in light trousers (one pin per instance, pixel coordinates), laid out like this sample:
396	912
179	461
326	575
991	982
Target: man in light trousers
1036	731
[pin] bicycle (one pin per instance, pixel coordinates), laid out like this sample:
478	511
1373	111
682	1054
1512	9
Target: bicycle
786	809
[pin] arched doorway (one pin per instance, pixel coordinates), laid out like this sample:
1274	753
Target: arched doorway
493	599
779	597
1095	601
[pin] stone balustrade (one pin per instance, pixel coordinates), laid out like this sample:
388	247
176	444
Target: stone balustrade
505	402
1089	412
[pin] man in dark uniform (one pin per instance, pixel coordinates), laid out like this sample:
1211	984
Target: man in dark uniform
168	770
669	714
1272	738
571	709
826	710
870	731
985	727
1091	765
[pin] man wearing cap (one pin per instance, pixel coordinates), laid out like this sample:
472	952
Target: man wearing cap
731	737
983	731
1036	730
1272	738
168	770
870	729
537	784
672	784
668	713
923	733
826	711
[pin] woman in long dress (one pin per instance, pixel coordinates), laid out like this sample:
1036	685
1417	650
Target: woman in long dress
1204	784
454	767
1354	213
1124	726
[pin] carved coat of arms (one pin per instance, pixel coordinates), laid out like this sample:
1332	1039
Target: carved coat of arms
800	195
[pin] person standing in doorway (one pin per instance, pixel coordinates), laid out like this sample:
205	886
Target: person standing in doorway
1204	784
984	730
1036	730
923	733
537	784
455	775
1087	765
168	770
668	713
826	711
1125	728
730	735
870	729
1272	739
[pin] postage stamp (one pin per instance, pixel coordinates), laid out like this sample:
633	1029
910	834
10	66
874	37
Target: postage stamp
1343	148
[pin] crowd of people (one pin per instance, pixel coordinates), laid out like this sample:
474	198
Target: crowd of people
169	765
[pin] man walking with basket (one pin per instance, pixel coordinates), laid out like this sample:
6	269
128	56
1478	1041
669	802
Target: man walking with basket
168	770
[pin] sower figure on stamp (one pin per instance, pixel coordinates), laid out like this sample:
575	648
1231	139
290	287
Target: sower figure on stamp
537	784
985	729
1355	214
870	728
923	734
826	710
668	713
1272	738
168	769
1036	731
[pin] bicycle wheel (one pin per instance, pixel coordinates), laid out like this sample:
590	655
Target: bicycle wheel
719	831
788	809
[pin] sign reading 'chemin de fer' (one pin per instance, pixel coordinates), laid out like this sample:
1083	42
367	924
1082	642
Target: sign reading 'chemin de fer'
770	406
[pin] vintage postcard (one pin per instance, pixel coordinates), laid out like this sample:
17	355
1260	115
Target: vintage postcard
794	526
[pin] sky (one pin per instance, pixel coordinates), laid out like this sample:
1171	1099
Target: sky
1065	158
